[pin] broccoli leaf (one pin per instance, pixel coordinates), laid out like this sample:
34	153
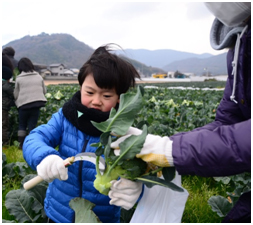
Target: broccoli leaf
169	173
150	181
23	206
100	149
130	147
104	138
83	211
107	150
220	205
133	145
120	121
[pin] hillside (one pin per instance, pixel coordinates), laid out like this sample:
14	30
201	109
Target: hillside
215	65
48	49
142	68
160	58
185	62
45	49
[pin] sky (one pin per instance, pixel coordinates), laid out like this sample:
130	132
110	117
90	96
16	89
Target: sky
180	26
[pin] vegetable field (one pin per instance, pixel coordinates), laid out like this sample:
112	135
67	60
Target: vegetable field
170	108
166	111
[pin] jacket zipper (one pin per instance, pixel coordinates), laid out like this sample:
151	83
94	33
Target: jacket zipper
81	167
80	173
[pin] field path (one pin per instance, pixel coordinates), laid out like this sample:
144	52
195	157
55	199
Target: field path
55	82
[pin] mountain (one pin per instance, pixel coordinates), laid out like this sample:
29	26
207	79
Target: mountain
142	68
171	60
159	58
215	65
45	49
49	49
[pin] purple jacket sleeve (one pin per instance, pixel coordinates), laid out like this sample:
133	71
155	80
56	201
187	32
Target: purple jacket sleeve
224	151
221	148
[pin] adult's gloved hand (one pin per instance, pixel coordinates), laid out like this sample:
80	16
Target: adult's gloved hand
156	149
125	193
52	167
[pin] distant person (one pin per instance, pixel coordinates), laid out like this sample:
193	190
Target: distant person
29	94
102	79
10	52
223	147
7	97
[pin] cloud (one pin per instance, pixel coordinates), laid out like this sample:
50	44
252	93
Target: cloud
130	11
197	11
181	26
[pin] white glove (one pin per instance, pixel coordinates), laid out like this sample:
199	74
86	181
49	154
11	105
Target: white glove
125	193
52	167
156	149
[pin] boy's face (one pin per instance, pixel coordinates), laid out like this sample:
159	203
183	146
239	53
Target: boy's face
94	97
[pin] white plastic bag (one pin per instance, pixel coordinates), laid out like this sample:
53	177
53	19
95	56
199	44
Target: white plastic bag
161	205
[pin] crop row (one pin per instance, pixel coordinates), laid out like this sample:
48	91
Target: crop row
166	111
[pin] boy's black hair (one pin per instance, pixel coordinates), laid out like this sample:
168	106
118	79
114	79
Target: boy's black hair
25	65
109	70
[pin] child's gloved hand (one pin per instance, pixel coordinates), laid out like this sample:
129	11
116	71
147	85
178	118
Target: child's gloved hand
156	149
52	167
125	193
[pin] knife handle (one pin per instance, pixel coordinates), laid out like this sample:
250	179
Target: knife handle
33	182
36	180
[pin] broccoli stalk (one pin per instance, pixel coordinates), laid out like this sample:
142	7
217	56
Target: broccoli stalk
103	182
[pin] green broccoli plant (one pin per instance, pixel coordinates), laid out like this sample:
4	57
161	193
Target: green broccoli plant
126	165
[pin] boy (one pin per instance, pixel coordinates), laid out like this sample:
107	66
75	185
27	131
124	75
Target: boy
102	79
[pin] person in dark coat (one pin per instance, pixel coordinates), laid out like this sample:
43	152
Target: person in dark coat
223	147
7	96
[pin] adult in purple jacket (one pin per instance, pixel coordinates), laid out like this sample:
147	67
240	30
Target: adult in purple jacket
223	147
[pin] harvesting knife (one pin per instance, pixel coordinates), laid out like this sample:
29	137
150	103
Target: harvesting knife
91	157
85	156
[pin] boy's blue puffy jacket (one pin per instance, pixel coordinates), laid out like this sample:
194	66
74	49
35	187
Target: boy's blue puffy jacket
41	142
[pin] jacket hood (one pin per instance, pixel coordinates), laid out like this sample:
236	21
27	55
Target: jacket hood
222	36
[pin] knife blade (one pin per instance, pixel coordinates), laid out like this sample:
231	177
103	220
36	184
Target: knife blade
84	156
91	157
